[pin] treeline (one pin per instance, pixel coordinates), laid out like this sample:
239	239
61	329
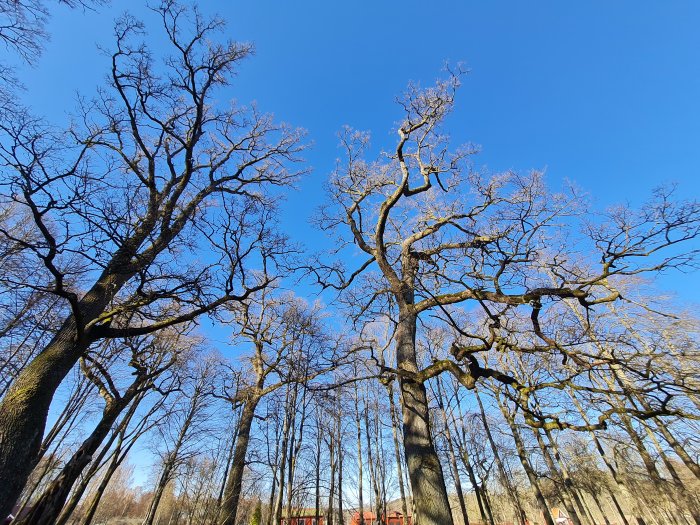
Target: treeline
488	350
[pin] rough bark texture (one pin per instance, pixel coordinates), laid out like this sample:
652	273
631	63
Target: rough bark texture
232	494
424	469
25	407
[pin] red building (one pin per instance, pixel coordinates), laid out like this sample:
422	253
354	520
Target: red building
392	518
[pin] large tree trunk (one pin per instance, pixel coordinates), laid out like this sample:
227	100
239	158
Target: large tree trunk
25	407
232	494
424	469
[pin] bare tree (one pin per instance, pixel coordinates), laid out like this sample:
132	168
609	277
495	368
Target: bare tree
288	348
23	24
440	234
188	422
154	171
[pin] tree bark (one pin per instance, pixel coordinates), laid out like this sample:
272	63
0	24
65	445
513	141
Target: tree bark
232	493
25	407
424	469
49	505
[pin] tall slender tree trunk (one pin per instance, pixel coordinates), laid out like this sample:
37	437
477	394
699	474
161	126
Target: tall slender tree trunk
331	489
424	469
596	500
464	456
341	518
613	471
487	503
522	455
451	453
568	482
317	484
48	507
689	500
397	449
660	426
564	491
628	388
232	493
649	463
290	405
514	496
475	486
171	461
295	444
227	468
118	436
358	426
373	467
70	416
118	455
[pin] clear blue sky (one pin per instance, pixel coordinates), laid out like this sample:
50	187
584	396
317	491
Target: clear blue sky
603	93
